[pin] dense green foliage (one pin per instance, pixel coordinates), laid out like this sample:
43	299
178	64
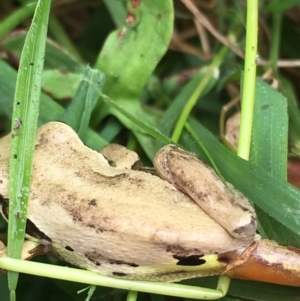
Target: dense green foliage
157	76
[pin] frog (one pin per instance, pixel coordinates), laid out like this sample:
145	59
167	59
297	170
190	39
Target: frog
104	215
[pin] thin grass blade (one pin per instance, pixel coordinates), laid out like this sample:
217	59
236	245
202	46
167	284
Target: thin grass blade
24	123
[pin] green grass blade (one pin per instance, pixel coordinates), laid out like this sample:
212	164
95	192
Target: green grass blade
269	150
79	112
151	130
270	130
24	123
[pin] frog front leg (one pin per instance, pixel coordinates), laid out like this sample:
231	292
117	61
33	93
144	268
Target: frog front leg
30	249
226	205
120	157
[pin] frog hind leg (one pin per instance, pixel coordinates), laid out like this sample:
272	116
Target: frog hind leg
266	261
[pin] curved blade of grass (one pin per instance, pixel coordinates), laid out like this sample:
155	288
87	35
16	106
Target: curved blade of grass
151	130
24	123
79	112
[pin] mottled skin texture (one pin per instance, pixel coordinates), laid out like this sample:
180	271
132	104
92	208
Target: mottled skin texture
117	222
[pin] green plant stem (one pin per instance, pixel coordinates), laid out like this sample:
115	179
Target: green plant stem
132	296
211	71
82	276
248	92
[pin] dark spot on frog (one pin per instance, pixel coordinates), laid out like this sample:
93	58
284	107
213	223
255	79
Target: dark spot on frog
192	260
179	251
69	248
124	263
42	141
119	274
15	156
168	274
93	202
93	257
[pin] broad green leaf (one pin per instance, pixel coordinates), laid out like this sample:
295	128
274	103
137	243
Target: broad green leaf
131	53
